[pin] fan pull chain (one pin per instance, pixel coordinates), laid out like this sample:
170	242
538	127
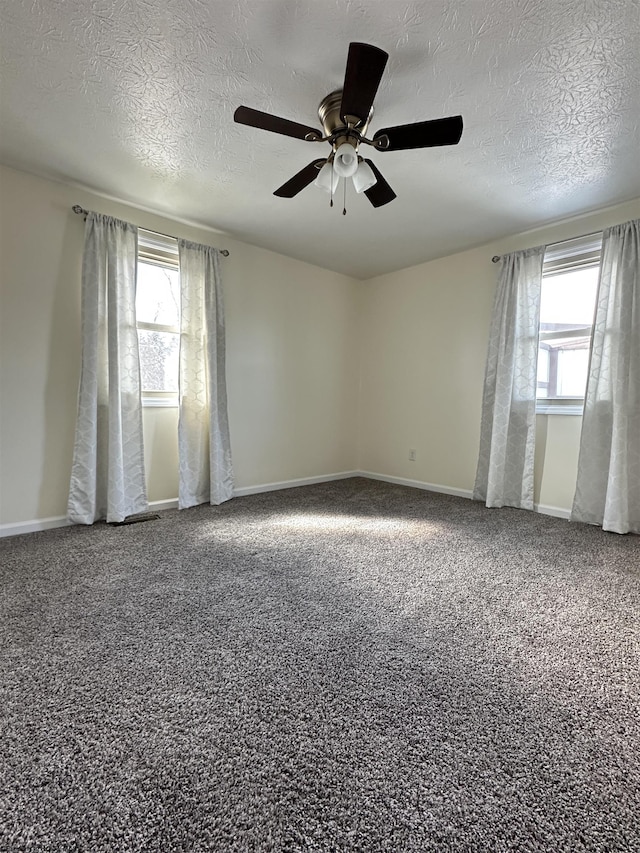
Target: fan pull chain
331	192
344	199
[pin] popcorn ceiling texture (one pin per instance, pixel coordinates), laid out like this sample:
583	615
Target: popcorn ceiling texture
136	99
353	667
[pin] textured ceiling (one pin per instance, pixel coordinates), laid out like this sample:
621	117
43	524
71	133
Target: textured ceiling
135	98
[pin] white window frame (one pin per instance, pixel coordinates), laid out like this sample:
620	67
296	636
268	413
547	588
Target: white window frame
161	251
579	253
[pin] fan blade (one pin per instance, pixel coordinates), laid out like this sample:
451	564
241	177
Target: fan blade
422	134
380	193
365	66
265	121
301	180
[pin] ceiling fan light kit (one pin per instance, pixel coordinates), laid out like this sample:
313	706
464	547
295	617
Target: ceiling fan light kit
345	161
345	115
327	179
364	178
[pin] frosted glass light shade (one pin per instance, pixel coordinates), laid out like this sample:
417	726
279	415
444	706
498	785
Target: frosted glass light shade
327	179
364	178
345	162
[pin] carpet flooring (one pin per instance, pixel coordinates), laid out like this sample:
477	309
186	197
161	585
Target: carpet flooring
352	666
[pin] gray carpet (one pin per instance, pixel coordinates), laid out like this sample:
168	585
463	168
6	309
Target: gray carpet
353	666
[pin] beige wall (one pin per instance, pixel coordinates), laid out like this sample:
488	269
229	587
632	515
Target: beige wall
291	356
325	374
423	339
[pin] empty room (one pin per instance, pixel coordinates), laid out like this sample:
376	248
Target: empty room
319	426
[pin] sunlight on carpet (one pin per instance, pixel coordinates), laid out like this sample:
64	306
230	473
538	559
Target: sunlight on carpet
342	523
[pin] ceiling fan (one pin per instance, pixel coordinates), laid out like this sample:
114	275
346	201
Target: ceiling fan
345	115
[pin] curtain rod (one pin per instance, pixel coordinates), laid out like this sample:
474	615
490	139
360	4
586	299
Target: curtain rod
80	210
496	258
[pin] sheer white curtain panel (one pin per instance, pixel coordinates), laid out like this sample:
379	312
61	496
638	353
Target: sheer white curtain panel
507	434
608	484
107	476
204	449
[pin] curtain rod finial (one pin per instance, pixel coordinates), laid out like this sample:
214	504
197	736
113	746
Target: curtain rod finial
495	259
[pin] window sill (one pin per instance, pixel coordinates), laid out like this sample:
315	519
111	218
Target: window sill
550	409
159	402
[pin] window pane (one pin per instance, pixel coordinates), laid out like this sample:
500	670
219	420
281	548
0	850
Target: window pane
159	360
568	300
158	295
567	305
573	365
543	372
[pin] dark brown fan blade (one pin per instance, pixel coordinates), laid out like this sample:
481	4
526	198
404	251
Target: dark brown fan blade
422	134
265	121
365	66
380	193
301	180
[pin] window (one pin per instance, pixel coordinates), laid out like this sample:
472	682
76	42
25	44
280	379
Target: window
158	318
567	306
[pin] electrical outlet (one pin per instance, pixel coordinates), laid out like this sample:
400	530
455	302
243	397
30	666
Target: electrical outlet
412	455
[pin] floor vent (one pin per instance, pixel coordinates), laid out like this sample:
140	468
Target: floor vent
135	519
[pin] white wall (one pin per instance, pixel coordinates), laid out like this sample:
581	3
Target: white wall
291	356
424	333
325	374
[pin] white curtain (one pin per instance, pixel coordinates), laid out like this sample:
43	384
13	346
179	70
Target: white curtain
507	435
204	450
608	485
107	477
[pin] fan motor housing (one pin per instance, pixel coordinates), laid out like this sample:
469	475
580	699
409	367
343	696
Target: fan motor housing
329	115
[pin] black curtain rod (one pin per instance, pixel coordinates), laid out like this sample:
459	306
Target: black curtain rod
80	210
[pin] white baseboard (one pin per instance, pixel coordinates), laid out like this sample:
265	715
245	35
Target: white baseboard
416	484
556	511
33	526
157	506
544	509
291	484
60	521
37	524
